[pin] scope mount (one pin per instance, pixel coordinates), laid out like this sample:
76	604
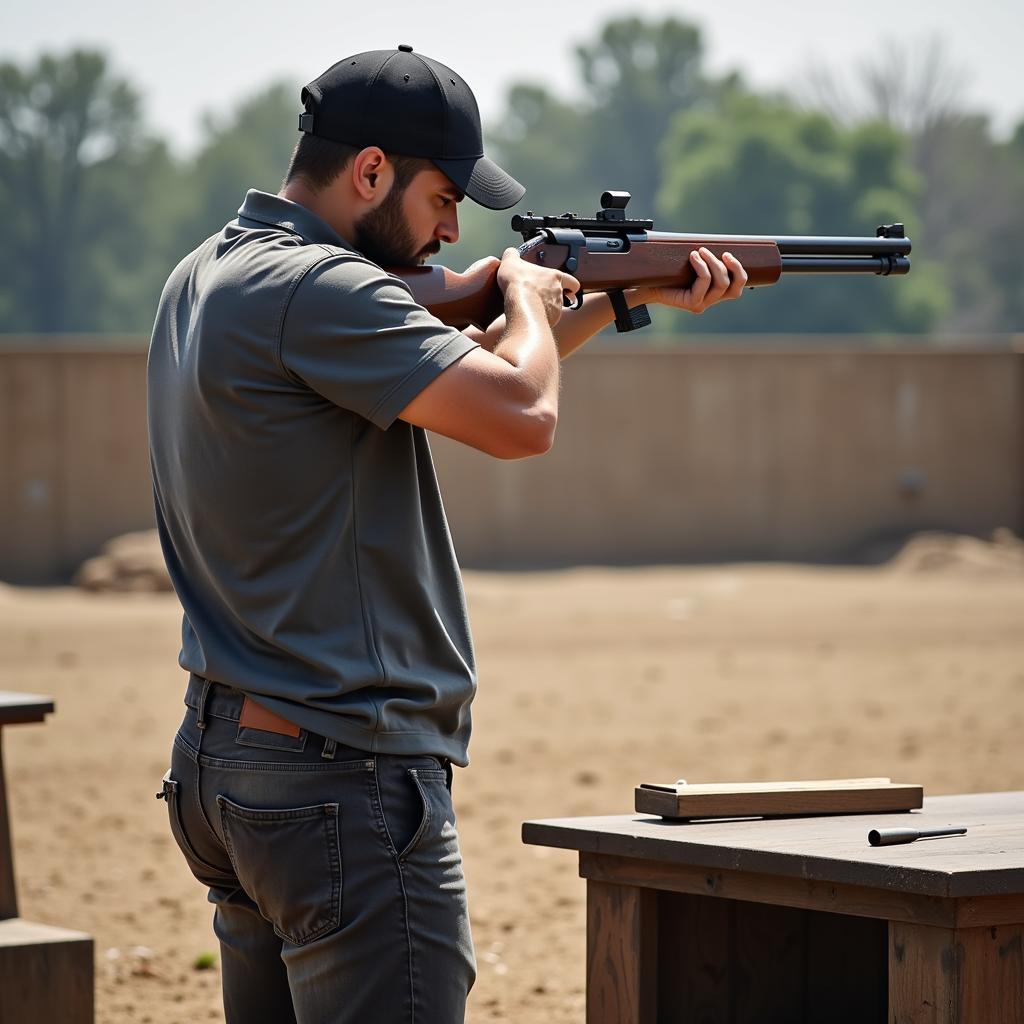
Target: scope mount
610	219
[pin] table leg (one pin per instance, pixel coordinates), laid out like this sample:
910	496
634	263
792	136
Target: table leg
621	954
8	893
956	975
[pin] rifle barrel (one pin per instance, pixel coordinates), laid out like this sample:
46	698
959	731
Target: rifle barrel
803	245
884	265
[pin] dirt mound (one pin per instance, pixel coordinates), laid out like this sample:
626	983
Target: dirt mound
132	561
956	554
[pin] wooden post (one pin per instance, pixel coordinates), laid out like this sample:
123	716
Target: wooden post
956	975
621	954
8	892
46	973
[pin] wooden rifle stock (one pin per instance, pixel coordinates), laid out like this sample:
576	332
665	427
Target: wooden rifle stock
609	253
472	298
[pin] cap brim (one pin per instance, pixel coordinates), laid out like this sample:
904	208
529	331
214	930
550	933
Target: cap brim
483	181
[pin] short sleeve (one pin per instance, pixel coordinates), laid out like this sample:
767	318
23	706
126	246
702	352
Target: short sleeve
355	335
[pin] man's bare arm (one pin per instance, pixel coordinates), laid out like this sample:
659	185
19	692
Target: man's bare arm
503	398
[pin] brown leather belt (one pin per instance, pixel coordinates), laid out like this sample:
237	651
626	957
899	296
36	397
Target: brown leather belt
256	716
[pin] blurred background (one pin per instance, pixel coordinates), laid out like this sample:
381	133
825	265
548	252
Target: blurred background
126	142
778	540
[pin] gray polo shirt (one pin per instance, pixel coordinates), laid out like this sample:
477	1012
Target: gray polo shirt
300	518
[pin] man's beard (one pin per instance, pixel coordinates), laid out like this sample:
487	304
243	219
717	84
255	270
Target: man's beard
382	235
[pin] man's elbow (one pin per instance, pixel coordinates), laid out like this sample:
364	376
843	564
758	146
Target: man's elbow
532	434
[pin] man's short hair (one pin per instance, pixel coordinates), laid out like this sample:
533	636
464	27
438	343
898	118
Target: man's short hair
319	161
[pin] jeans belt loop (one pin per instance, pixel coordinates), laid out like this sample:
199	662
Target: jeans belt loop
201	709
328	752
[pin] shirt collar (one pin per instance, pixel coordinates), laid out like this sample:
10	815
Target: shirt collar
283	213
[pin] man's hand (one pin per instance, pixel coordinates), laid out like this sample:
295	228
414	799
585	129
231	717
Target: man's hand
519	278
717	279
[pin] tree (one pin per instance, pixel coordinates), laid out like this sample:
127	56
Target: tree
762	166
971	225
637	76
908	87
248	147
76	171
1008	237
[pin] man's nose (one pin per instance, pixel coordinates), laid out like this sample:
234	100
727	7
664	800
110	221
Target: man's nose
448	229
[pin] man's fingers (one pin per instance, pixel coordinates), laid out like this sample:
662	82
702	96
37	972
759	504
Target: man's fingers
700	286
738	275
719	275
570	286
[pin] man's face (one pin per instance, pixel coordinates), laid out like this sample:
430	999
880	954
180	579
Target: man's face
409	225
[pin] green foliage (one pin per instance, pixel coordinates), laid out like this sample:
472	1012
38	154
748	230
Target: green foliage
972	216
1007	243
249	148
77	180
96	211
758	165
638	75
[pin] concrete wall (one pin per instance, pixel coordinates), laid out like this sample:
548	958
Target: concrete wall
699	454
74	466
706	455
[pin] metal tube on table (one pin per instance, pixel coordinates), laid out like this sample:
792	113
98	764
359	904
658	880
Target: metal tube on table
892	836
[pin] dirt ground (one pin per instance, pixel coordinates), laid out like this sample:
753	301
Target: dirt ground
591	680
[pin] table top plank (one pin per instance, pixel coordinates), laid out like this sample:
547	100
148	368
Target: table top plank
17	708
989	860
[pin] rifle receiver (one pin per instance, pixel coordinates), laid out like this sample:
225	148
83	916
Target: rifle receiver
611	219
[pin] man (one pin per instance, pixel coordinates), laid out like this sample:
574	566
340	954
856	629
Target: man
291	381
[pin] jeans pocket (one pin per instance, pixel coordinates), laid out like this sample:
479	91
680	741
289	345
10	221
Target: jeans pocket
288	862
171	792
431	784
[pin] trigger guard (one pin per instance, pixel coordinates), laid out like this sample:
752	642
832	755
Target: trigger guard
570	303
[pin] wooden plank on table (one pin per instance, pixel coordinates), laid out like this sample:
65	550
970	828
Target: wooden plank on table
769	966
695	969
621	954
689	802
794	786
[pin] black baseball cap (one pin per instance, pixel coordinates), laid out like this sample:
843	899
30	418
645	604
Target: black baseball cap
411	105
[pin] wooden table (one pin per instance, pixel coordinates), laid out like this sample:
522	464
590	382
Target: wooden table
46	972
800	920
15	709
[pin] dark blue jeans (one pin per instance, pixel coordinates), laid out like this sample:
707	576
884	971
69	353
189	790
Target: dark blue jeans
335	874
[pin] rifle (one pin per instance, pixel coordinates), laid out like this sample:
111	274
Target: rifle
610	252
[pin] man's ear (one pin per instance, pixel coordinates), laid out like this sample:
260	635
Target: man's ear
372	174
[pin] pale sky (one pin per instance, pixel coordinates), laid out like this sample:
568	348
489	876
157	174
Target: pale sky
190	56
